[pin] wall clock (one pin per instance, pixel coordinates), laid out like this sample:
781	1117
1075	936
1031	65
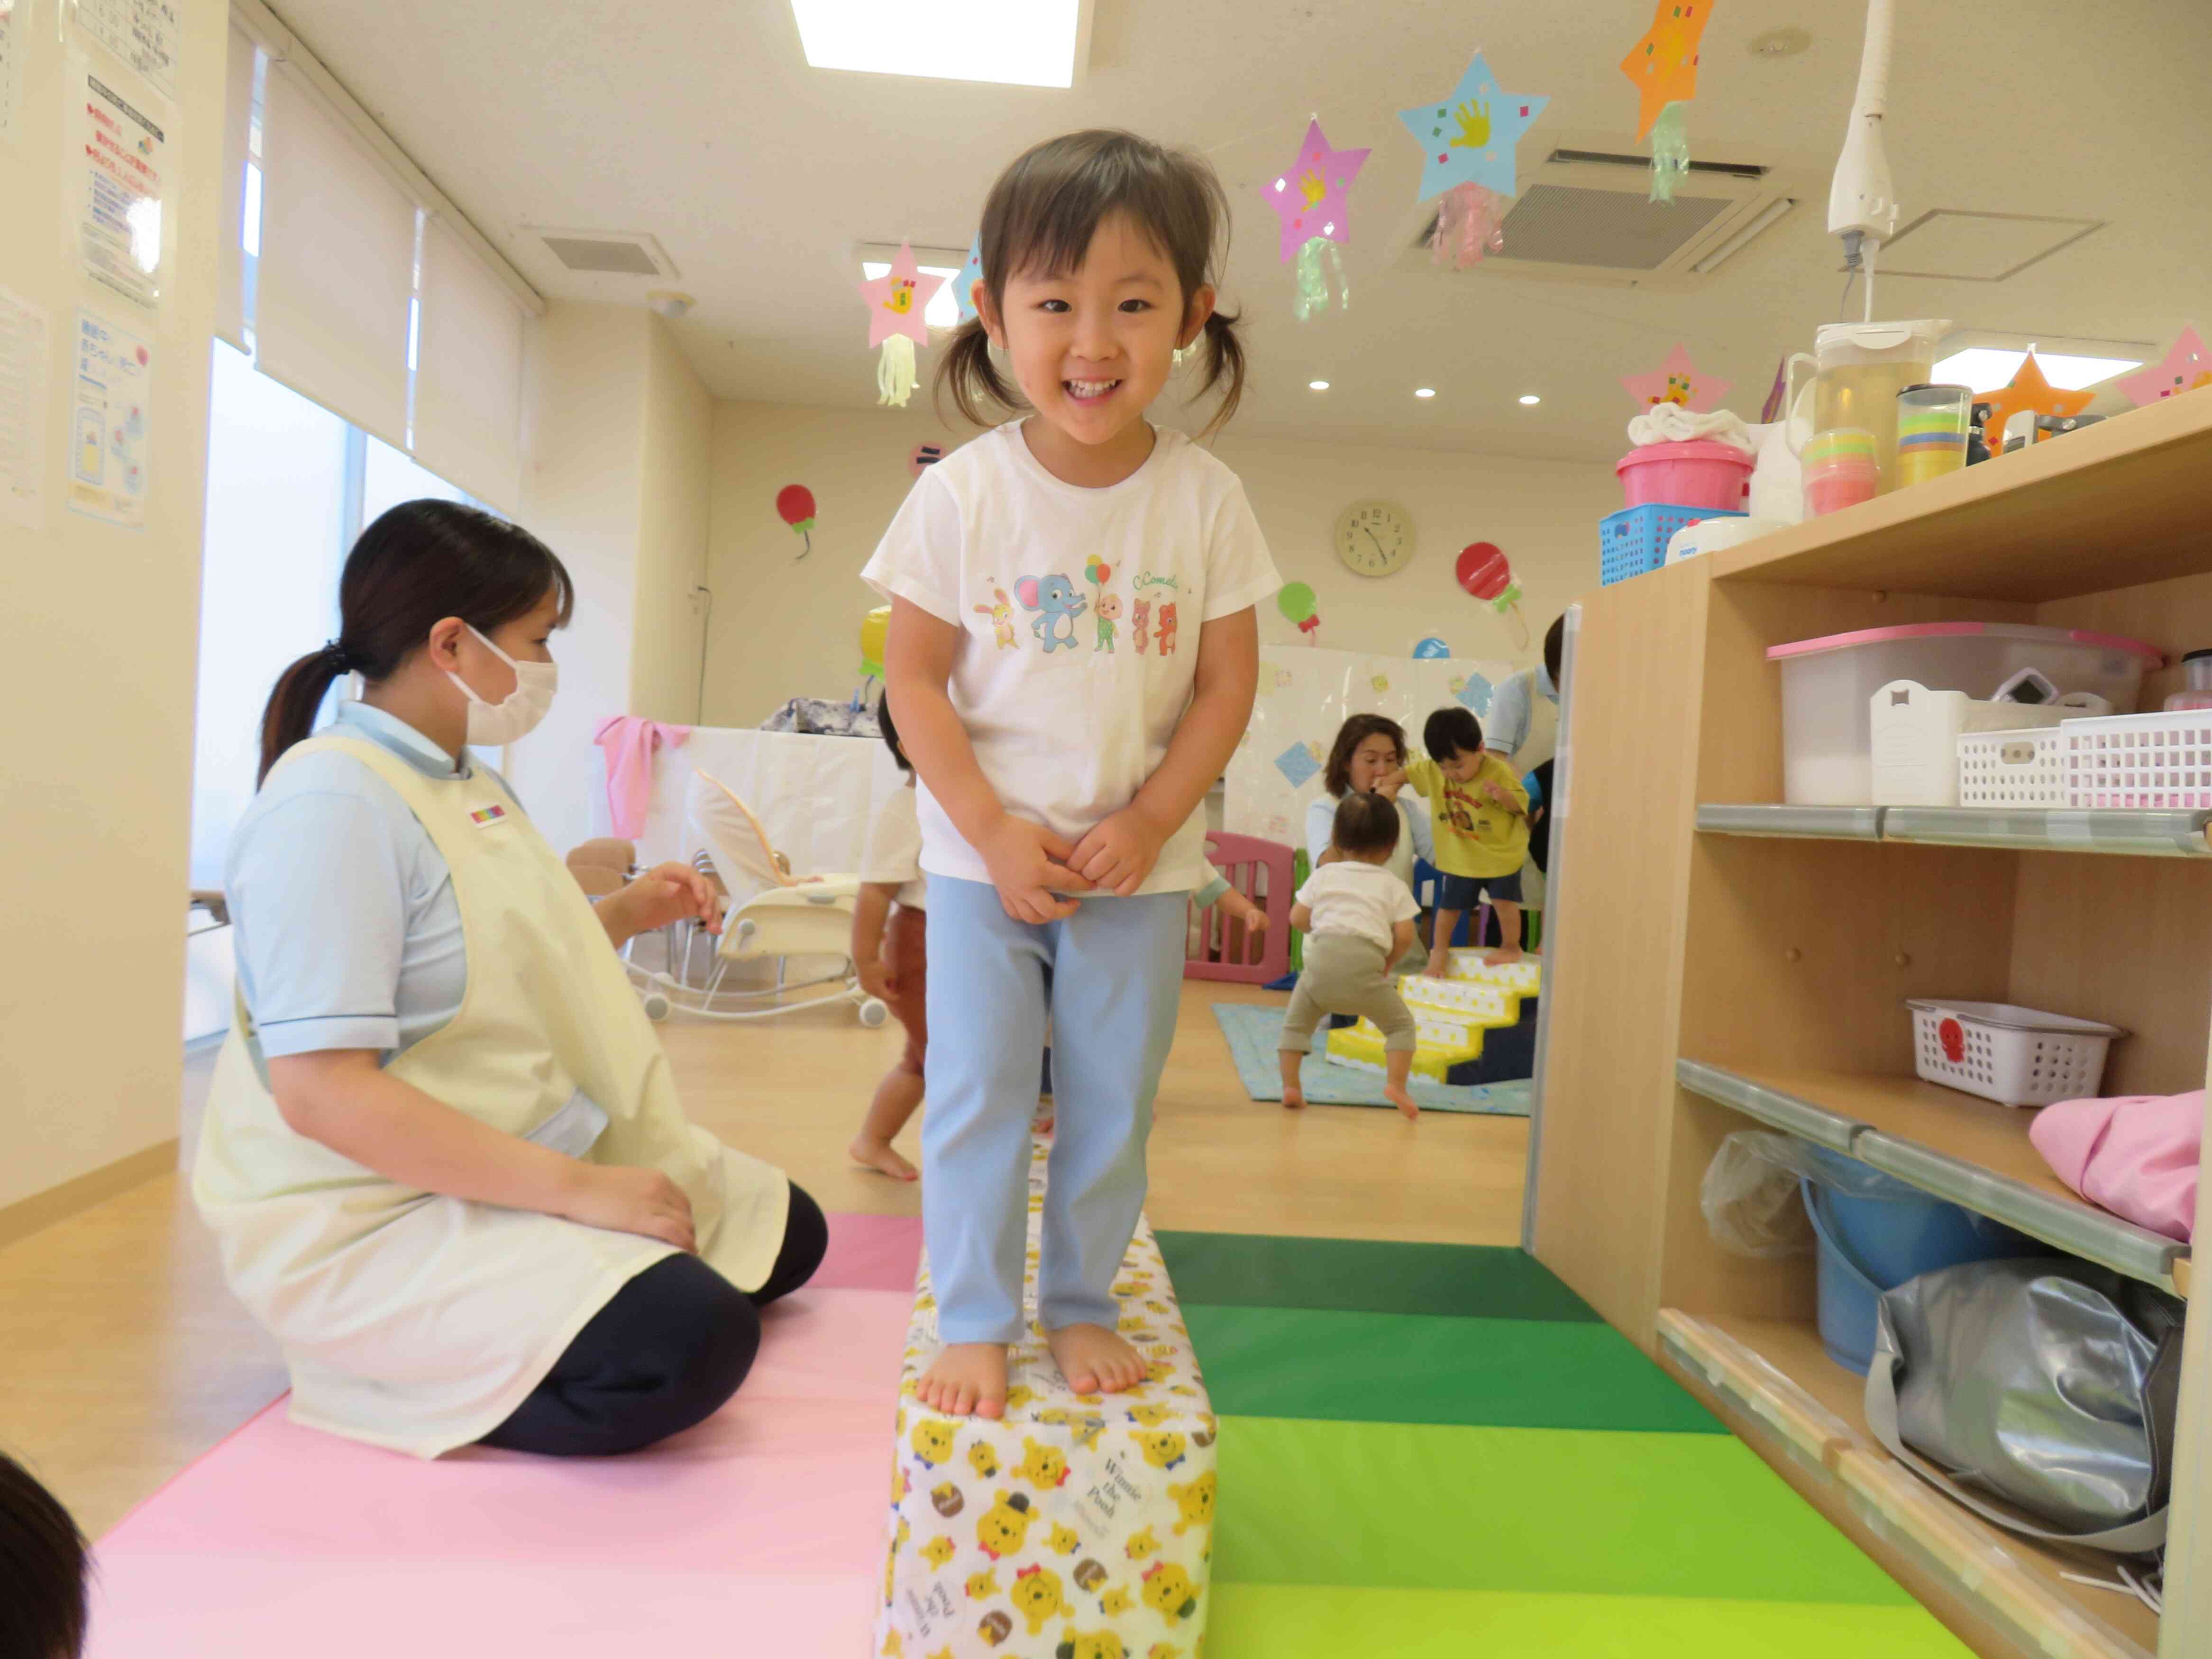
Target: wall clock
1375	539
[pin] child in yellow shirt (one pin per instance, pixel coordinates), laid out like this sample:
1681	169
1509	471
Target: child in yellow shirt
1479	813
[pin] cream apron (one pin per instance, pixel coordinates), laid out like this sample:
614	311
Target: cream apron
417	1321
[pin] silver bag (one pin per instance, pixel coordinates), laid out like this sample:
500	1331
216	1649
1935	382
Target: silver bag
2045	1383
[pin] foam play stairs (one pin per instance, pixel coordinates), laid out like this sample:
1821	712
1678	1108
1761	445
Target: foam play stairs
1450	1016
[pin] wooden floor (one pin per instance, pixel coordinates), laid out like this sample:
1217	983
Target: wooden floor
126	1358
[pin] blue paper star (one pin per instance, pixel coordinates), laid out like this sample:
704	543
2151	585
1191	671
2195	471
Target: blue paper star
963	285
1468	137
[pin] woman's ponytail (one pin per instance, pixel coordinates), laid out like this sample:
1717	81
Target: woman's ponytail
301	689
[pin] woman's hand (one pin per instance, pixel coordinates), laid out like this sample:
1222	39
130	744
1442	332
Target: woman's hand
1118	851
1241	909
1031	867
1390	782
667	893
623	1200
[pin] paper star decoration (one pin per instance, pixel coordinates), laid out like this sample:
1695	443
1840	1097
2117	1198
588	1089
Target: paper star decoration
963	285
1663	64
1676	381
2029	390
1308	196
898	299
1468	135
2185	367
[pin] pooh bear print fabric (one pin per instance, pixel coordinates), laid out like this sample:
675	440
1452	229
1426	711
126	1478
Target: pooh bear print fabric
1078	1526
1080	612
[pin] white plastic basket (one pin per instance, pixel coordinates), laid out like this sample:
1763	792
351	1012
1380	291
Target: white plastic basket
2014	1056
2018	768
2139	760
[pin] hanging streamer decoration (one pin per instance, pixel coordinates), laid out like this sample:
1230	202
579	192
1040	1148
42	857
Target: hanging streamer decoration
1468	138
896	301
1309	198
971	272
1663	65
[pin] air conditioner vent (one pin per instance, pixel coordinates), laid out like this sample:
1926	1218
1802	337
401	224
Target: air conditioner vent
1603	229
610	252
1643	163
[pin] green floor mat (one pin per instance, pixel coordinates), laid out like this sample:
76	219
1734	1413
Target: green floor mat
1286	1621
1261	1270
1394	1505
1405	1368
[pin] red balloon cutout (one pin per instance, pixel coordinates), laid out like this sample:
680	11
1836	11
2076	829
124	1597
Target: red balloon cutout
794	503
1483	570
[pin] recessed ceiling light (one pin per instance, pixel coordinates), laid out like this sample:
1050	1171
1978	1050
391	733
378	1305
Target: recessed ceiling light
943	311
1027	43
1530	398
1424	392
1986	368
1316	385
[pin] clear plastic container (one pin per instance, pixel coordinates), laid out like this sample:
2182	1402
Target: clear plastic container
2196	673
1860	368
1826	684
1931	431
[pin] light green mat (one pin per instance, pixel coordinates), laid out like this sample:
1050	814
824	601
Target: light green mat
1416	1506
1285	1621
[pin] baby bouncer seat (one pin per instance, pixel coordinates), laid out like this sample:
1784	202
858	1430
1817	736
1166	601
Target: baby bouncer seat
774	917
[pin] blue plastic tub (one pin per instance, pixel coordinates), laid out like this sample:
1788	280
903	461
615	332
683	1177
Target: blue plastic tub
1634	540
1869	1245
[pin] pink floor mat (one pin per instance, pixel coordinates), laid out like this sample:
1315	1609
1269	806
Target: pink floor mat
761	1531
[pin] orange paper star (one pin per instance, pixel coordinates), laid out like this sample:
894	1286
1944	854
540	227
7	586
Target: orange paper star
1664	63
2029	390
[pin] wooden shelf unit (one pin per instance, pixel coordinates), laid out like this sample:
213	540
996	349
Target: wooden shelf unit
1778	948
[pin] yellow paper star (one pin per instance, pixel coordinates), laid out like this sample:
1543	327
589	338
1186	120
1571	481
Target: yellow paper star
2029	390
1664	63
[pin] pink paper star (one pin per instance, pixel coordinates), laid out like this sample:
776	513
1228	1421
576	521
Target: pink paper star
2185	367
1676	381
898	299
1308	196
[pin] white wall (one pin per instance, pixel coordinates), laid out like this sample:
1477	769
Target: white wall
671	542
97	649
785	626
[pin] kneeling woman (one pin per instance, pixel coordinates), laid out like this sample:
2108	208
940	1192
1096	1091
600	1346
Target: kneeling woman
443	1154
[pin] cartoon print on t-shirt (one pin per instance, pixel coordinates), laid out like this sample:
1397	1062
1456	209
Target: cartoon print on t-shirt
1001	613
1167	630
1139	622
1106	609
1055	601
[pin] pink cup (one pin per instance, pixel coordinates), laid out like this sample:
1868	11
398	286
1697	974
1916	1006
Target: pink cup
1698	473
1839	481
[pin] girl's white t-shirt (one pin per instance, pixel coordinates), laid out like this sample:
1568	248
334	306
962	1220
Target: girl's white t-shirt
1080	610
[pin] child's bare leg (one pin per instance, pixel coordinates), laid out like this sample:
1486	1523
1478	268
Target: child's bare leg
1440	958
896	1096
966	1379
1398	1067
1294	1094
1509	930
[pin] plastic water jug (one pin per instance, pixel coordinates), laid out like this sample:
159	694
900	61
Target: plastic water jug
1857	370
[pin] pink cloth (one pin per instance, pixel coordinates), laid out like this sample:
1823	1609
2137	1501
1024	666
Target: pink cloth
2134	1154
629	741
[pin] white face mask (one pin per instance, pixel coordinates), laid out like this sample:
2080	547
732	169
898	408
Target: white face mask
491	724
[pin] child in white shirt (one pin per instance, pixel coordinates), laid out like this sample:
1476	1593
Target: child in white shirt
1360	918
1061	765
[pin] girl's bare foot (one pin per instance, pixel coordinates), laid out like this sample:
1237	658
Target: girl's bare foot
877	1155
1293	1099
1439	966
1396	1094
1092	1359
1503	955
967	1379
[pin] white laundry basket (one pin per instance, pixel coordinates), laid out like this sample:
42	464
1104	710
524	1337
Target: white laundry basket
2022	769
2014	1056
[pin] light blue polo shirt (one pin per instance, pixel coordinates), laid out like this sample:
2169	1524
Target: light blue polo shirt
1506	727
348	933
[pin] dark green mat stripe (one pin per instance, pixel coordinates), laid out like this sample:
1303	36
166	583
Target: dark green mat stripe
1417	1506
1407	1368
1355	1275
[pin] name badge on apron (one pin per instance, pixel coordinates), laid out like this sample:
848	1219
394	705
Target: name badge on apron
489	818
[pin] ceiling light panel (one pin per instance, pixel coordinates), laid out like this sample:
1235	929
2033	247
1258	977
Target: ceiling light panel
1029	43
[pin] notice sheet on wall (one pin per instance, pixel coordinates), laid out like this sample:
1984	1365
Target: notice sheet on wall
119	197
143	33
24	347
110	412
11	68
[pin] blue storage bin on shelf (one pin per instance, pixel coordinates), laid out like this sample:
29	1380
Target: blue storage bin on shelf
1869	1244
1634	540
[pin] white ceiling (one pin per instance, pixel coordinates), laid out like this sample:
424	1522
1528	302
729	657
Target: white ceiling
699	121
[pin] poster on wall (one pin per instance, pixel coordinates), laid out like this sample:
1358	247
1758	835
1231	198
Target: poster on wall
1304	695
118	193
110	411
23	380
143	33
11	68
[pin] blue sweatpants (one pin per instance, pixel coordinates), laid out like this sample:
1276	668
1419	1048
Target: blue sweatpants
1116	972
